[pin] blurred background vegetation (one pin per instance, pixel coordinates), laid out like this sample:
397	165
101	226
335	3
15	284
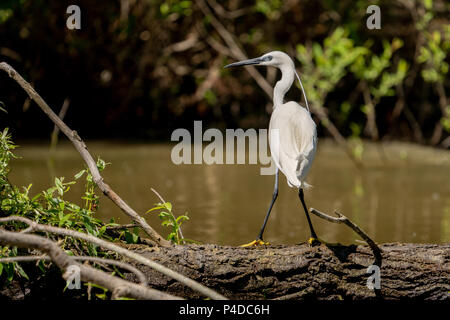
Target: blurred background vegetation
139	69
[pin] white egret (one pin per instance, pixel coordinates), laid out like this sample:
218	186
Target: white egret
293	136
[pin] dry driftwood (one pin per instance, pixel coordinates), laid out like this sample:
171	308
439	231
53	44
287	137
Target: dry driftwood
409	271
117	286
42	244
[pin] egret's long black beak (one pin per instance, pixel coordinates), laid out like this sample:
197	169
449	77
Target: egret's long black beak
245	62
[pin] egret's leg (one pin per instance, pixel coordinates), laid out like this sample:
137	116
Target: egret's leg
259	240
313	240
274	197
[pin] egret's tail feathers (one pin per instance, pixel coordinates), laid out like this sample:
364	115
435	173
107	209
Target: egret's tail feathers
306	186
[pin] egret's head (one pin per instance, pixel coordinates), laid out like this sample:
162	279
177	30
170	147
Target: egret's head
274	58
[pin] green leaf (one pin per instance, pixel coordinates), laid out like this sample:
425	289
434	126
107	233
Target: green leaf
167	223
155	208
181	219
64	219
164	214
102	230
80	174
41	266
21	272
168	205
9	271
131	238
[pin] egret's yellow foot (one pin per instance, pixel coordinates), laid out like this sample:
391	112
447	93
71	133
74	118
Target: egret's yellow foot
258	242
317	241
314	242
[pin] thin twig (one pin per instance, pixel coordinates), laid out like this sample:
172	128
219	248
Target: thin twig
343	219
24	259
122	226
236	51
61	115
371	114
81	147
225	13
164	201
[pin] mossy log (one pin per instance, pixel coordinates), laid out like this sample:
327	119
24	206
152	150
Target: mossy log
408	271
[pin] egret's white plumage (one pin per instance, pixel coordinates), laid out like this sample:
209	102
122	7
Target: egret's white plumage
292	142
293	136
292	132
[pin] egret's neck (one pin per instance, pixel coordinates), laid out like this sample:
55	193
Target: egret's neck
283	85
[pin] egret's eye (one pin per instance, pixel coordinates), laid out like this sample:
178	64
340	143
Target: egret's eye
267	58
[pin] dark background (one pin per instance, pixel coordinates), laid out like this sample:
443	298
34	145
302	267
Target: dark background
157	85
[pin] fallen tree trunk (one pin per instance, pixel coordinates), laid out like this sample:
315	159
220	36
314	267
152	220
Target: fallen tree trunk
297	272
409	271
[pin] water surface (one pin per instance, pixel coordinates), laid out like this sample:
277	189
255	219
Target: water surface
403	193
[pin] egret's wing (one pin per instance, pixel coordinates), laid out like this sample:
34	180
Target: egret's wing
295	148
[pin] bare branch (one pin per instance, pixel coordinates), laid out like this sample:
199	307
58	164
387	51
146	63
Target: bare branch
124	252
122	226
24	259
343	219
139	274
371	114
141	277
236	51
61	115
81	147
188	43
225	13
87	273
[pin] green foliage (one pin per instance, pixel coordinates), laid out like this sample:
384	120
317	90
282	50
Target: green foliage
437	46
48	207
130	237
375	71
327	64
338	58
445	120
5	14
270	8
7	9
6	154
433	56
183	8
169	220
210	97
165	50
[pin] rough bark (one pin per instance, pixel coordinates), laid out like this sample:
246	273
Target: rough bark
296	272
409	271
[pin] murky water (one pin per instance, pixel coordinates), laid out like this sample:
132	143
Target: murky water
403	194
